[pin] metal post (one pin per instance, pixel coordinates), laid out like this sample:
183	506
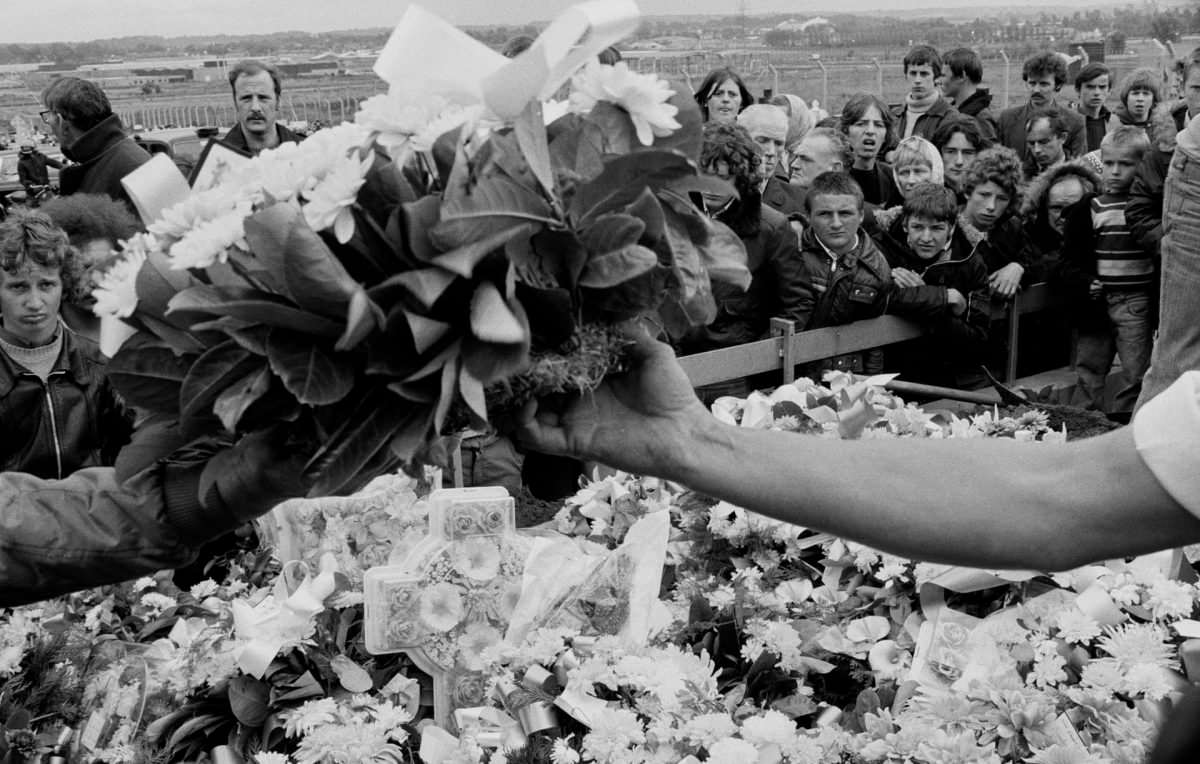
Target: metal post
774	78
1007	67
786	329
824	84
878	77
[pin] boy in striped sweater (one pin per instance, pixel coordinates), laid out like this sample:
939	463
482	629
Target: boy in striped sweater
1110	279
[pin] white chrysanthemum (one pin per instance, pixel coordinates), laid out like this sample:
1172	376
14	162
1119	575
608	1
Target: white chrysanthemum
706	729
476	558
442	606
777	637
143	583
329	201
1134	643
1049	668
410	121
1172	599
643	96
1064	754
770	728
563	753
272	758
614	731
1149	680
1103	675
116	291
1077	626
731	751
304	719
209	242
158	602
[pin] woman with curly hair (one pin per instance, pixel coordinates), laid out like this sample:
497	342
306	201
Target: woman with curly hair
722	95
57	411
867	123
989	221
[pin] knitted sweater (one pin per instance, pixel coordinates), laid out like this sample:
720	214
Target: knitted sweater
1121	261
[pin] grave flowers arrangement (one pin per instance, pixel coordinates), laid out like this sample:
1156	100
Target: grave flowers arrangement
439	261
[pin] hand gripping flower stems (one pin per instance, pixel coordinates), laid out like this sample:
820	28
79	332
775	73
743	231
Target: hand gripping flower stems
984	502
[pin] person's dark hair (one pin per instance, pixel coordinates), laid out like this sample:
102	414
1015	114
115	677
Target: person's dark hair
1091	72
609	56
1142	78
830	121
713	80
87	217
250	68
857	106
924	55
833	184
1041	64
31	238
1000	165
960	124
515	46
81	102
1185	65
931	201
964	62
731	143
1052	115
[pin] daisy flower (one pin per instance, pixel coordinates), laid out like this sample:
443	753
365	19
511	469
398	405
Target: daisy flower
643	96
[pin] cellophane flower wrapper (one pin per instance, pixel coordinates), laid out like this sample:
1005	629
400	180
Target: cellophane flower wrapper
428	268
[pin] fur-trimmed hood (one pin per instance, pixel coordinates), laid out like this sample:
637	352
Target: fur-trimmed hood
1166	121
1035	193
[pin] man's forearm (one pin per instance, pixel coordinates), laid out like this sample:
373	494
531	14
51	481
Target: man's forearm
991	503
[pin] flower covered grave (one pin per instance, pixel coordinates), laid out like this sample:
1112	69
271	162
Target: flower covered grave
760	640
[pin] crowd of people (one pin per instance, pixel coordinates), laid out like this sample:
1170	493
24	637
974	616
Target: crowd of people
938	207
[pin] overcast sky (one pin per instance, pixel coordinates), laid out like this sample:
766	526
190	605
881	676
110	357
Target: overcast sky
49	20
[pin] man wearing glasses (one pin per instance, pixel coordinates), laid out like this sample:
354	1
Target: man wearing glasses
92	137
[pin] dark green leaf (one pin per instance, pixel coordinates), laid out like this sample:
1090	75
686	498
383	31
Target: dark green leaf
149	375
612	268
687	269
471	390
492	361
562	255
463	260
530	130
689	138
368	429
315	280
616	126
631	298
611	232
154	439
648	209
424	284
492	319
179	340
482	209
703	184
315	377
232	403
362	317
209	376
724	257
577	144
623	180
248	699
551	314
157	284
198	302
419	218
385	188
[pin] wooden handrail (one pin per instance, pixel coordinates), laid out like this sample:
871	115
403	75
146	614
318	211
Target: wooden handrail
751	358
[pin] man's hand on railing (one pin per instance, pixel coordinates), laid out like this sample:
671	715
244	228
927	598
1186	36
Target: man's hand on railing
904	278
1005	281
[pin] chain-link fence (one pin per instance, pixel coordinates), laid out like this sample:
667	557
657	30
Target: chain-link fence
833	81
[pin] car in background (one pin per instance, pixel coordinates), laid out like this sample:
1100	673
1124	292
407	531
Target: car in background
183	145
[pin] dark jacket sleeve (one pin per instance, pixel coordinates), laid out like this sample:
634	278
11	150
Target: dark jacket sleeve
1077	267
924	303
1143	212
87	530
787	269
803	302
52	162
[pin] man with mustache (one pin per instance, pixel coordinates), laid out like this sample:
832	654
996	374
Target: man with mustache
256	89
1044	75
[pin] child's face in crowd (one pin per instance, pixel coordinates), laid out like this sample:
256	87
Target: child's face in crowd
1120	165
928	238
1062	194
835	219
867	134
1045	145
986	204
908	176
920	80
29	301
1139	102
1094	92
957	155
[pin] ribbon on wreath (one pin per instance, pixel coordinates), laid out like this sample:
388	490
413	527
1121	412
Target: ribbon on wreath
285	617
465	71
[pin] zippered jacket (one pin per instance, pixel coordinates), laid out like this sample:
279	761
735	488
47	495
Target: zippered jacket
71	421
854	287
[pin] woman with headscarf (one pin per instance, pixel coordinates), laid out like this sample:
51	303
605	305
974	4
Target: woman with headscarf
916	161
